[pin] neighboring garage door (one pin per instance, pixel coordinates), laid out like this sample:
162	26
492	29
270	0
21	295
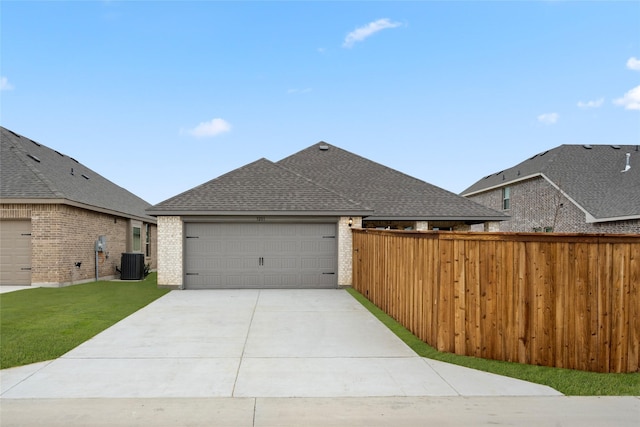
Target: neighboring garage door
260	255
15	253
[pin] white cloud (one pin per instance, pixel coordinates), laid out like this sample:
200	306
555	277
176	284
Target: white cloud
591	104
211	128
630	100
359	34
4	84
633	64
548	118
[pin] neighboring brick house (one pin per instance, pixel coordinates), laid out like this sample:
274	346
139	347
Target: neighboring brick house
53	209
288	224
571	188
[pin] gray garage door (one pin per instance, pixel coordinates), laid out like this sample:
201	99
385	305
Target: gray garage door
15	253
260	255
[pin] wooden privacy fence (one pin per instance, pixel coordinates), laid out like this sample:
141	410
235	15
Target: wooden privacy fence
563	300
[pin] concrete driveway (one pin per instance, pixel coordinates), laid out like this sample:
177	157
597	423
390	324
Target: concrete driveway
275	358
252	343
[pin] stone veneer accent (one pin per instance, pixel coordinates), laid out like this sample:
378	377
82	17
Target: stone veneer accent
345	249
422	225
491	226
170	241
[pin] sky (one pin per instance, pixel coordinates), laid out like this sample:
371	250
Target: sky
161	96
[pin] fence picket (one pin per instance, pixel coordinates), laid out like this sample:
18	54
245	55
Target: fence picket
565	300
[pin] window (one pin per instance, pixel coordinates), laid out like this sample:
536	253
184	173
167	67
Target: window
147	250
506	198
136	239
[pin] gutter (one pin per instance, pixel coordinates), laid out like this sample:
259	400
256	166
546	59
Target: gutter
200	212
61	201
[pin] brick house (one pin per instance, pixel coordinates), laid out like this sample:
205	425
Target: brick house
571	188
54	209
288	224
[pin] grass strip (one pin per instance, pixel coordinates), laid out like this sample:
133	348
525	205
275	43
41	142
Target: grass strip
567	381
44	323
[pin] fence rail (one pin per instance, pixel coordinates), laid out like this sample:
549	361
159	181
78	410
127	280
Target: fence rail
563	300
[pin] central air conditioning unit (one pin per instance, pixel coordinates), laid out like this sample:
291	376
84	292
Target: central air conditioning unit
132	266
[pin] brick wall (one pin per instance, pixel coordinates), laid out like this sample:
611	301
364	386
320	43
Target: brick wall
63	235
170	231
536	204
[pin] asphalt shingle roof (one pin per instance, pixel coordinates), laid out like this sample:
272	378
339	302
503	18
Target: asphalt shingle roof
591	175
391	193
261	186
30	170
325	180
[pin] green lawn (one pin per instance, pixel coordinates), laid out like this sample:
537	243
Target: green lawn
566	381
44	323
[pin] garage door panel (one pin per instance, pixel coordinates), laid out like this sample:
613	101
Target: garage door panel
258	255
280	263
15	253
279	230
308	263
283	246
204	281
222	245
242	246
313	280
222	264
242	280
323	230
282	280
318	246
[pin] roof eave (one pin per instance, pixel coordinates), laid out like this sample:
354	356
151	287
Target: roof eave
591	219
201	212
60	201
502	184
475	219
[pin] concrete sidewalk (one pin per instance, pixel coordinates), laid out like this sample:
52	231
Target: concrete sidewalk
8	288
251	343
536	411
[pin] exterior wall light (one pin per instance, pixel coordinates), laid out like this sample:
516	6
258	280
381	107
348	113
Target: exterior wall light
350	221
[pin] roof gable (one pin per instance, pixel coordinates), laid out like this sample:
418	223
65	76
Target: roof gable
30	170
261	186
591	175
392	194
